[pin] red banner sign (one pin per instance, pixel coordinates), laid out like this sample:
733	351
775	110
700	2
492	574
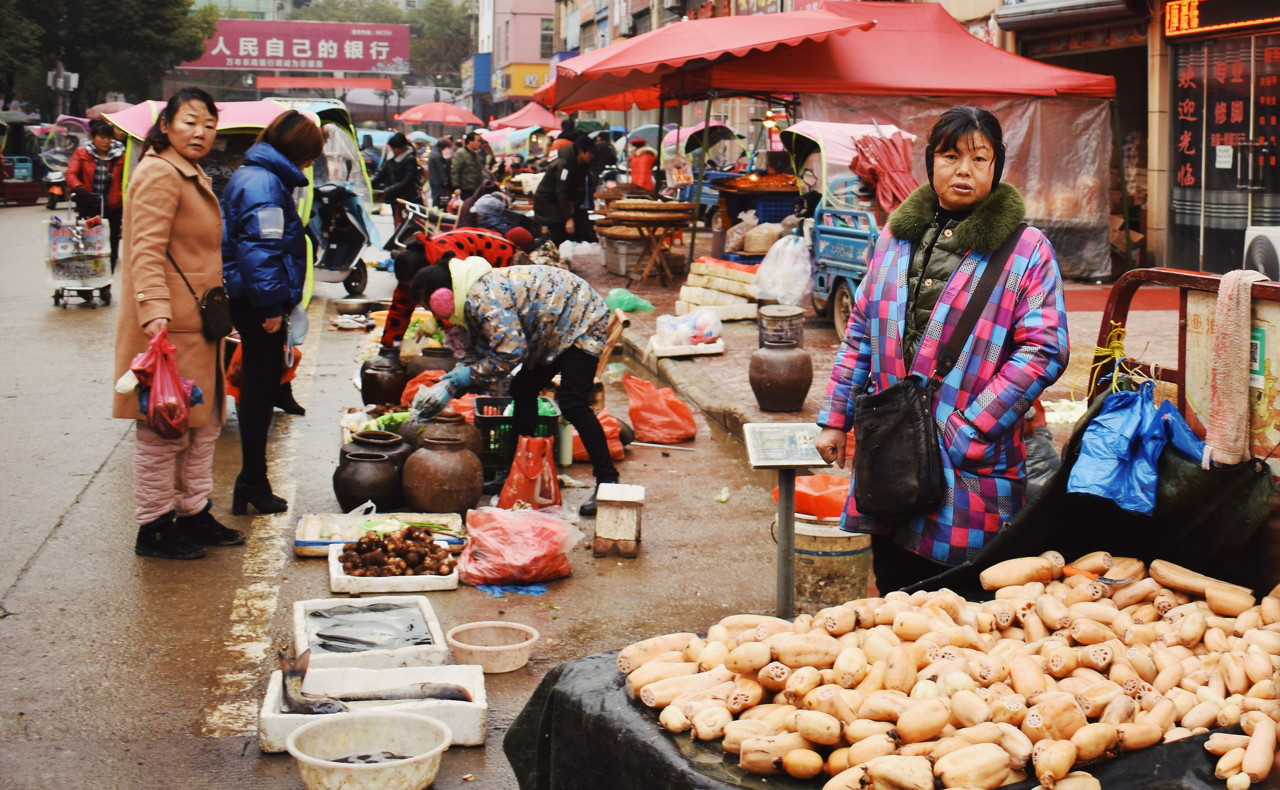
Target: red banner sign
252	44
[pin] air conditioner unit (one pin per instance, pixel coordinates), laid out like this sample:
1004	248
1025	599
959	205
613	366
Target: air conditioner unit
1262	250
626	25
673	5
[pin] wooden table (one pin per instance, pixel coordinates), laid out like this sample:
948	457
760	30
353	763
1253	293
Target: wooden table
651	234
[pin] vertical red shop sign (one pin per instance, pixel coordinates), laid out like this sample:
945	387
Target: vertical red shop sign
1188	94
1267	108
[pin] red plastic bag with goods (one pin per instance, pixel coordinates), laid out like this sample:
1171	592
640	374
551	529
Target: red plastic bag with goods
424	379
819	496
612	433
516	547
235	370
533	478
657	415
168	408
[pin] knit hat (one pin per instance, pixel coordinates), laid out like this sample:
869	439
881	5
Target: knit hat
521	238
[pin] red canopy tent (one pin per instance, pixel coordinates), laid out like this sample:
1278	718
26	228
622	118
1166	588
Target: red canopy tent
532	114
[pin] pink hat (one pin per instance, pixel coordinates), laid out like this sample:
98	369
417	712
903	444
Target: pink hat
441	302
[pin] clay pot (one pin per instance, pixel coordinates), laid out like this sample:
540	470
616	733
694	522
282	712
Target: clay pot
450	425
385	442
382	380
780	374
429	359
443	476
363	477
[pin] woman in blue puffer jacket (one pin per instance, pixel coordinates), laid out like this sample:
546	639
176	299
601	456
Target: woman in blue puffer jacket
264	263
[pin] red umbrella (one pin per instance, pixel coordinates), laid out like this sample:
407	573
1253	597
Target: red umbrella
439	112
884	163
96	111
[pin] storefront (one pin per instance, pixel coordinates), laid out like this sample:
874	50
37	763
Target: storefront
1224	111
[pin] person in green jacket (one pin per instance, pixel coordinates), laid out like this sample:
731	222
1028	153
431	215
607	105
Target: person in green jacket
466	169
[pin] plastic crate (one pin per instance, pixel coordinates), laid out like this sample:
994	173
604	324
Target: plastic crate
498	433
775	207
21	168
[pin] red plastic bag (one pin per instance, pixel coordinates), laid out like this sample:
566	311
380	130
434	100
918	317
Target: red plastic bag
612	433
424	379
516	547
657	415
464	405
168	408
235	370
819	496
533	478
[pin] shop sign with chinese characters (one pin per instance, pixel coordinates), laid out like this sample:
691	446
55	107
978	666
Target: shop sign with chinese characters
1188	17
247	44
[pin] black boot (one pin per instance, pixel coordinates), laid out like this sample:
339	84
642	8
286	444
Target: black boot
285	401
257	494
204	528
162	538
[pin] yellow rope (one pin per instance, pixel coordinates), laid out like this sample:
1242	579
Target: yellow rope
1114	355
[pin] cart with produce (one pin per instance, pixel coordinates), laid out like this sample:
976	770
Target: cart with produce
78	260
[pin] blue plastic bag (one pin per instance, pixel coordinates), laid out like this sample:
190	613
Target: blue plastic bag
1121	447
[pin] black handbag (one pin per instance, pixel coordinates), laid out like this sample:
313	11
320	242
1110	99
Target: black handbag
897	459
215	307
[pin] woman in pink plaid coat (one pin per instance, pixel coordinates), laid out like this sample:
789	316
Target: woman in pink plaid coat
925	265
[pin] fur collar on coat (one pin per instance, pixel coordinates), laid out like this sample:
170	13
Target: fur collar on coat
983	230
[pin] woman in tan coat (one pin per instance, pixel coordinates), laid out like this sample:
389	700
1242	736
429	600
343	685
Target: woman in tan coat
171	212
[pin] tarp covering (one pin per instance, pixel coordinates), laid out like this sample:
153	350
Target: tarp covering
1058	156
579	731
532	114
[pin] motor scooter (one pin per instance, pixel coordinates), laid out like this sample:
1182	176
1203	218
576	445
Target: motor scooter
55	188
342	229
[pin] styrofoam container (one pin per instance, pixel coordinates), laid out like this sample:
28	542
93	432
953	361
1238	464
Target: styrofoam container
317	744
662	350
339	581
316	532
466	720
433	654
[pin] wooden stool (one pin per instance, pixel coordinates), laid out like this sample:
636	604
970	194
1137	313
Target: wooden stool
618	519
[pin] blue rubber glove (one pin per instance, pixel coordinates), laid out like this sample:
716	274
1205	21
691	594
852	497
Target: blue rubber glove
459	379
430	401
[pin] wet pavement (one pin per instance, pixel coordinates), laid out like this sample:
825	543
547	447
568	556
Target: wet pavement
127	672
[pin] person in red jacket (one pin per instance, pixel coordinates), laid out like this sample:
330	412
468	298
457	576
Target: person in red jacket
95	169
640	163
498	250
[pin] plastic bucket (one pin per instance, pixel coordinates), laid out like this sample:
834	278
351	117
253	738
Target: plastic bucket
781	322
831	565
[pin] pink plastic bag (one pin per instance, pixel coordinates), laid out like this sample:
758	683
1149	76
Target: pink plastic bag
657	415
516	547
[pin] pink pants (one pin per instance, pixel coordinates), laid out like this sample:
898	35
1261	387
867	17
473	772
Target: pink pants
173	474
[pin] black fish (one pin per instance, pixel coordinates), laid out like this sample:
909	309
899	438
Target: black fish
450	691
295	701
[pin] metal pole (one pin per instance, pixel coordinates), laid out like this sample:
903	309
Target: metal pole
700	172
786	543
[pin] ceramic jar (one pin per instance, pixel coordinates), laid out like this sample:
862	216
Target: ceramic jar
429	359
385	442
443	476
450	425
382	380
780	373
363	477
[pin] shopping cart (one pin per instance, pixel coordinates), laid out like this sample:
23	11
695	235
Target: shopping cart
79	260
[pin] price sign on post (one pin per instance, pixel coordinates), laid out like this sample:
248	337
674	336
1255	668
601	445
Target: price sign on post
785	446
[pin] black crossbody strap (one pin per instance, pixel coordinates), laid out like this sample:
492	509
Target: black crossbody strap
185	281
950	353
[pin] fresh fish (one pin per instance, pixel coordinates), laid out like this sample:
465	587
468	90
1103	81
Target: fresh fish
412	691
349	639
385	607
294	700
337	647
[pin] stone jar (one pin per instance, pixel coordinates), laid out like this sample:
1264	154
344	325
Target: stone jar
385	442
429	359
450	425
363	477
780	373
382	380
443	476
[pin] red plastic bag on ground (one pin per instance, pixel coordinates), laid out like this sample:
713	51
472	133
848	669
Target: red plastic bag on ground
424	379
168	409
516	547
612	433
820	496
657	415
533	478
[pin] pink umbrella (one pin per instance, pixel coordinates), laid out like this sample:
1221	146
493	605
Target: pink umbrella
884	163
138	119
439	112
718	133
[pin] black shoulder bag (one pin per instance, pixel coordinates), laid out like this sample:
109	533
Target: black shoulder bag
897	460
215	309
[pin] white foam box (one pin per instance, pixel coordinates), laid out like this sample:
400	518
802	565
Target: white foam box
662	350
466	720
316	532
700	296
722	284
431	655
340	582
725	312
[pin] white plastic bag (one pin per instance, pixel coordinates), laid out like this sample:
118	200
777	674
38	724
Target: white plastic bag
734	236
581	252
690	329
786	273
679	171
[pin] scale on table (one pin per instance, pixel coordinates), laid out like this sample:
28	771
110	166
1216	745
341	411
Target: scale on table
785	446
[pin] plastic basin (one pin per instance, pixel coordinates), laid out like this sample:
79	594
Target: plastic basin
496	645
316	744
